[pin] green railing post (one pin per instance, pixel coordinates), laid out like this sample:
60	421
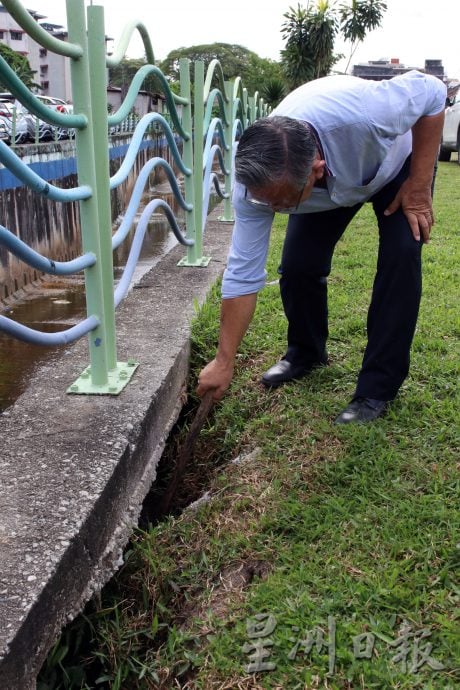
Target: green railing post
188	157
81	98
95	379
14	119
195	254
95	216
228	153
245	108
98	89
252	108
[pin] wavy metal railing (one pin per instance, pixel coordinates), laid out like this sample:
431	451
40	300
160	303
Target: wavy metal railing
208	147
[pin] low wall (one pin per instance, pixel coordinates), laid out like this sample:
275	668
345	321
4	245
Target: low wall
53	228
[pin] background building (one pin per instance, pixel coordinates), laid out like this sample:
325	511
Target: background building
52	71
385	69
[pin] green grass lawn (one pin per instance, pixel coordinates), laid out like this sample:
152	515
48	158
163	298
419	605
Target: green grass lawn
330	553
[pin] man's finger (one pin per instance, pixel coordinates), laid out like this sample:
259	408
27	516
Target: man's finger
425	227
414	225
392	208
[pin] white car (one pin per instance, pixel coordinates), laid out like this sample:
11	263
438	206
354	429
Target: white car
451	131
56	103
51	131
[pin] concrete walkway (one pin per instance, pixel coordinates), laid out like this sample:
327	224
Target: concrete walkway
74	470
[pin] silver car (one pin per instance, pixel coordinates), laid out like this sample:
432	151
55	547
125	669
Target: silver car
15	120
451	132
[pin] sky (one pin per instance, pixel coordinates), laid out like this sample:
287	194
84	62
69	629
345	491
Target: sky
412	30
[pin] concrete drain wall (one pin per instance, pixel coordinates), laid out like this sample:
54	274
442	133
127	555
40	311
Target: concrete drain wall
74	470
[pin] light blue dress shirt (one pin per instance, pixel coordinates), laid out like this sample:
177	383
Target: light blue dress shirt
364	128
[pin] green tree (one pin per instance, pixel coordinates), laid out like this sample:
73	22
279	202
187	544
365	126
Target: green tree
234	59
123	74
20	64
310	34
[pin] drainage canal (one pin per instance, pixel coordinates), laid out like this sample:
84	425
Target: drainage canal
53	304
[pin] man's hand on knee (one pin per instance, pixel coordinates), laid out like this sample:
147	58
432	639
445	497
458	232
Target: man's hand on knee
416	204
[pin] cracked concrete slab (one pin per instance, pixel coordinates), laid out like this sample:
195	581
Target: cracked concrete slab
74	470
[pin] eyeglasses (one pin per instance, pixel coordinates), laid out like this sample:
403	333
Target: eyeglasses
273	207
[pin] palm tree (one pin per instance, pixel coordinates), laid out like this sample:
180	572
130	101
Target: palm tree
309	35
359	18
273	91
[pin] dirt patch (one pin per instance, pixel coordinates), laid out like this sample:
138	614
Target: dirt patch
232	582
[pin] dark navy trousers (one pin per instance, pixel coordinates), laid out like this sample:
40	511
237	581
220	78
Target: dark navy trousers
306	263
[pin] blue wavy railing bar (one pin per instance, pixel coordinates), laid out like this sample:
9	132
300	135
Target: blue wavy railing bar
136	84
208	178
215	95
42	263
123	42
22	171
30	335
137	193
136	246
214	70
217	187
215	126
133	149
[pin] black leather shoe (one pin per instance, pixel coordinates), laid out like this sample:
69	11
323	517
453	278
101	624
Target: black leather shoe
362	410
284	371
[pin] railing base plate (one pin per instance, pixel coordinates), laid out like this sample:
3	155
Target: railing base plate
118	378
223	219
203	262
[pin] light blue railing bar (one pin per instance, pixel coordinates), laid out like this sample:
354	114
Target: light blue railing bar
216	125
136	84
213	96
215	180
133	149
214	151
44	38
136	196
136	246
38	184
207	178
123	42
30	335
214	68
59	268
238	128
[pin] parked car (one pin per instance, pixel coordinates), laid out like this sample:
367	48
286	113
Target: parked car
4	134
56	103
62	107
451	131
29	127
9	111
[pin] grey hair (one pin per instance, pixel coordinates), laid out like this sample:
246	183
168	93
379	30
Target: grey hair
274	149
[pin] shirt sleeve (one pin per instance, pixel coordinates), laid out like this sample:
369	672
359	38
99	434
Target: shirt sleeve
245	272
394	105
